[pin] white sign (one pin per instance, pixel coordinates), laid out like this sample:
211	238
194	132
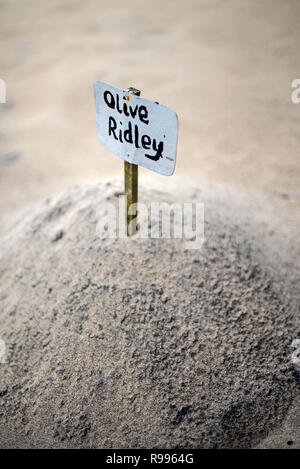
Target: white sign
139	131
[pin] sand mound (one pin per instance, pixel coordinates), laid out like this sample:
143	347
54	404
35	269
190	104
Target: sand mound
115	343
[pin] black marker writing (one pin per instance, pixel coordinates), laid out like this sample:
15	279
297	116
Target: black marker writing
158	150
114	103
131	134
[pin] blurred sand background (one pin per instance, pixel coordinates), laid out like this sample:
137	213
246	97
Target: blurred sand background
225	67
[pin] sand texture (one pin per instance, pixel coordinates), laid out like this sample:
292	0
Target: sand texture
150	344
117	343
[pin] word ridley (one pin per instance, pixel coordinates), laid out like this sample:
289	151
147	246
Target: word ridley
139	131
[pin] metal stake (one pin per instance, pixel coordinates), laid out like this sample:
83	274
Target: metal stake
131	186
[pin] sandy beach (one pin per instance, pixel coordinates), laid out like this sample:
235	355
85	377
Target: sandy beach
225	67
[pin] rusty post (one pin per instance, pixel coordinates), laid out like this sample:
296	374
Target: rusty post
131	186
